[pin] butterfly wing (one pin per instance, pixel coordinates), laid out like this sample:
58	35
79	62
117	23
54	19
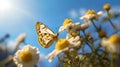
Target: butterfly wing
45	36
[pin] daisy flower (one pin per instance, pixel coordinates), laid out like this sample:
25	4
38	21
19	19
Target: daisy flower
112	44
26	57
72	27
90	15
61	46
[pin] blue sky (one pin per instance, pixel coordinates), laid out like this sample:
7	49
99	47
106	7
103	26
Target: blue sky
23	14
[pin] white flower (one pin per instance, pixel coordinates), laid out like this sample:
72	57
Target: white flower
90	15
74	27
20	38
63	45
54	53
12	45
112	44
74	42
26	57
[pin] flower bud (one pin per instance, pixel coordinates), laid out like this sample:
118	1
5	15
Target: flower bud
102	34
107	7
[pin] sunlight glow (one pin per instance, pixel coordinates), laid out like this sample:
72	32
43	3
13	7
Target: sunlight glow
5	5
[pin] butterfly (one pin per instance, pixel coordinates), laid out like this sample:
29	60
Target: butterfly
46	36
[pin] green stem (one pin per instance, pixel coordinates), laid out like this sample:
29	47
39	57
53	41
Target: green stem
112	60
111	22
112	25
84	33
91	45
94	25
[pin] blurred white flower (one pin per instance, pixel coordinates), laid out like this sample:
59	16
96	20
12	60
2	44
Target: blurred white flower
20	38
26	57
73	27
63	45
90	15
112	44
6	60
12	45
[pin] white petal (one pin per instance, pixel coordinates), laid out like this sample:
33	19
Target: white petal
83	17
77	38
77	23
105	43
100	13
62	28
84	26
68	36
52	55
21	37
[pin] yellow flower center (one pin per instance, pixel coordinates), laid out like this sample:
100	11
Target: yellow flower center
107	7
66	22
61	44
102	34
25	56
90	12
115	39
74	34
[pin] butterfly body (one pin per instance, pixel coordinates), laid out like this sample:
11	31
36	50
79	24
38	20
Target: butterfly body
45	36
